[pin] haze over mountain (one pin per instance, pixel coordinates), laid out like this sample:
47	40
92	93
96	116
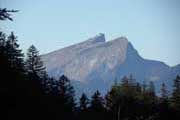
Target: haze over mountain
96	64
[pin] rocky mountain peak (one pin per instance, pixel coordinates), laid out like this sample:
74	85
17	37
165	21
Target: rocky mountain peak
95	64
98	38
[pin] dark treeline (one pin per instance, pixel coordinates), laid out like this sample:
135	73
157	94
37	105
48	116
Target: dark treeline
28	93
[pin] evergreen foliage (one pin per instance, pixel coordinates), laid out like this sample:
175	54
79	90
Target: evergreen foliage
29	93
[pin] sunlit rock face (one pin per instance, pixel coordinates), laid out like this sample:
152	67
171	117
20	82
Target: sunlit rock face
97	63
80	60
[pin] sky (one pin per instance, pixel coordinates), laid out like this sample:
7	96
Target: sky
152	26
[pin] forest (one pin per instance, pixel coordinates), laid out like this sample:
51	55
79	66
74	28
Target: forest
27	92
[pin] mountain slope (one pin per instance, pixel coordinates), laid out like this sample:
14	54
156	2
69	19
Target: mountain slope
95	64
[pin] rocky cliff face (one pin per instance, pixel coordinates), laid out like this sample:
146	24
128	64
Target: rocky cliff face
95	64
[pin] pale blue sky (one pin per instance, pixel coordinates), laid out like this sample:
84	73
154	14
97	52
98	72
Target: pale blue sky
152	26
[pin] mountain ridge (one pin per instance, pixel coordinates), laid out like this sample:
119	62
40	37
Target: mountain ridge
96	63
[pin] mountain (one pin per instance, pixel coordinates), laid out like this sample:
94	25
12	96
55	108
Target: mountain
96	64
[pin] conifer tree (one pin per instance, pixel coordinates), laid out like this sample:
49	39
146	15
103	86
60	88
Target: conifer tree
128	88
13	85
164	104
15	55
66	97
35	71
97	102
2	43
34	63
164	92
84	102
151	89
113	102
12	64
66	90
176	93
97	106
3	56
83	113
